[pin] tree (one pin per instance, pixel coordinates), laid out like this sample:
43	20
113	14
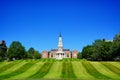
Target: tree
79	55
16	50
87	52
36	55
101	49
105	49
115	50
31	52
97	49
3	50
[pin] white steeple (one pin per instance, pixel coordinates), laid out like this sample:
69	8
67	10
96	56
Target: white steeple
60	45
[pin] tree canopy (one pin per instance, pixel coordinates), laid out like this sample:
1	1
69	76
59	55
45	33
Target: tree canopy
115	50
103	50
33	54
16	51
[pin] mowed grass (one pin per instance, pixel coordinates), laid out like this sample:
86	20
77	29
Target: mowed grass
25	66
93	71
69	69
55	71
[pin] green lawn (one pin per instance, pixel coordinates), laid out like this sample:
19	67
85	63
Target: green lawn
69	69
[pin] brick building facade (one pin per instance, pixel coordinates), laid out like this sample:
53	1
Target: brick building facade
59	53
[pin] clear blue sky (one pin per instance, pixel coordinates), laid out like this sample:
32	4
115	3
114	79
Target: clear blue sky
38	23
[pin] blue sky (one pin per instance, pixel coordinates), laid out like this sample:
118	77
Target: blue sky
38	23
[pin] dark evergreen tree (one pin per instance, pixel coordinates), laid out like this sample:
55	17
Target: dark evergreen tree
3	50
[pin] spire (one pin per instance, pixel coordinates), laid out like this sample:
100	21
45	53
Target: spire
60	45
60	35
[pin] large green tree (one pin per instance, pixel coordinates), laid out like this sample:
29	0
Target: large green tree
87	52
99	50
104	50
31	50
115	50
16	51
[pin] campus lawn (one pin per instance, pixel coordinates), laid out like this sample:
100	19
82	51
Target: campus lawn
69	69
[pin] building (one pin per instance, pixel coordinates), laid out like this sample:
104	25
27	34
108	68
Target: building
3	44
59	53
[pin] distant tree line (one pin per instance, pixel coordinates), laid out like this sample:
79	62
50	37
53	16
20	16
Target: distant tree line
17	51
102	50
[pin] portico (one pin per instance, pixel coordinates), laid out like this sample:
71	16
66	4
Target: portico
59	53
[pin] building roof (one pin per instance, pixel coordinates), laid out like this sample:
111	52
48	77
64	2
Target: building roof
57	49
54	49
66	49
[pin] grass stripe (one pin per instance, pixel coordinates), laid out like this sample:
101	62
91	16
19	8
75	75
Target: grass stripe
81	72
55	71
7	66
70	69
4	63
104	70
43	70
111	67
93	71
67	70
32	70
12	69
18	71
115	64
